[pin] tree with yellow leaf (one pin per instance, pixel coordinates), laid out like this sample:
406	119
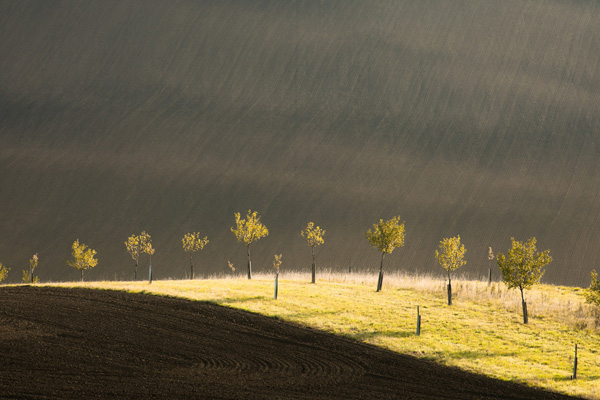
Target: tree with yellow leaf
28	275
192	242
276	264
522	267
83	257
591	294
314	237
385	237
3	272
146	247
133	248
451	257
249	230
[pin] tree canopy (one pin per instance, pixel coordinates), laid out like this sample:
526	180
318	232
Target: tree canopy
388	235
592	294
83	257
249	229
451	254
313	235
523	266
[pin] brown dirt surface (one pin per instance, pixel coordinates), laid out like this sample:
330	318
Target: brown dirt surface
58	343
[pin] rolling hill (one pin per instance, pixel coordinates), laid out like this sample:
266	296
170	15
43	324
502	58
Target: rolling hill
473	118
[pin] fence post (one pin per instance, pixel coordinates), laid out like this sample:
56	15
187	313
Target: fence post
418	322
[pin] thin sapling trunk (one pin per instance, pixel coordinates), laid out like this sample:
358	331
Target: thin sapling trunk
380	280
524	304
449	290
314	269
249	263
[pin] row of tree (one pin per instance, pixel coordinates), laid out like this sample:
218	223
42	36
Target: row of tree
522	266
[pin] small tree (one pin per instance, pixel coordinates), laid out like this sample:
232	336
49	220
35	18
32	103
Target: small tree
83	257
314	237
231	267
3	272
133	248
385	237
248	230
276	264
592	294
450	256
28	276
146	247
523	267
491	257
192	242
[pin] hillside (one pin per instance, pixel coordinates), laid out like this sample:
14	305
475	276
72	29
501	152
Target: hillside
96	344
480	119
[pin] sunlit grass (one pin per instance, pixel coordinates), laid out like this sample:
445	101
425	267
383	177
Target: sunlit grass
482	331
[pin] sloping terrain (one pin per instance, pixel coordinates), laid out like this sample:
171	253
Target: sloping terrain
478	118
77	343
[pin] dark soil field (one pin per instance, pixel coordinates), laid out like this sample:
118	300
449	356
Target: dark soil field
82	344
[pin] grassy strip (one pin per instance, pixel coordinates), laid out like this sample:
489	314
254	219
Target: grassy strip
481	332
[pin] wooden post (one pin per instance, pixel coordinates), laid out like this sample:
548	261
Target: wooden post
150	273
525	317
575	365
418	322
276	285
313	272
449	294
489	276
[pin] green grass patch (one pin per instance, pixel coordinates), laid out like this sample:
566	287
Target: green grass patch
481	332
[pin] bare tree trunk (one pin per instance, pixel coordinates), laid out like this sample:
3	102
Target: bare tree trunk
135	271
276	284
191	267
449	290
249	263
314	269
524	304
82	275
380	280
150	270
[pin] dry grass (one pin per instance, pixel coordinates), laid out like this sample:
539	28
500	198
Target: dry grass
482	331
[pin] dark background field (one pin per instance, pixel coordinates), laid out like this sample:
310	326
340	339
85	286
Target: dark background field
474	118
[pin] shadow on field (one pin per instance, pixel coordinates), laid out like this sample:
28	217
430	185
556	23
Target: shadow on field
85	344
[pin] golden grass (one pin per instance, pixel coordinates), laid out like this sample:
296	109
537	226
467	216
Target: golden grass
482	331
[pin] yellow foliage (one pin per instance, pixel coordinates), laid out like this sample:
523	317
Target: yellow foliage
277	263
451	254
146	243
522	267
28	275
592	294
133	247
388	235
3	272
83	257
250	229
313	235
192	242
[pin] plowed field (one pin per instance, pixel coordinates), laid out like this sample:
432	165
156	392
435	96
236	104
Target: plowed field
82	344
